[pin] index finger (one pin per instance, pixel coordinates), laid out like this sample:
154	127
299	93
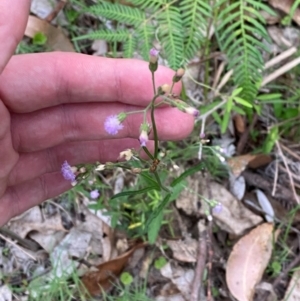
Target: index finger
35	81
13	19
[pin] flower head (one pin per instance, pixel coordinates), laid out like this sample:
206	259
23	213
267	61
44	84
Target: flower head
178	75
144	134
94	194
153	53
67	172
192	111
217	209
143	138
113	124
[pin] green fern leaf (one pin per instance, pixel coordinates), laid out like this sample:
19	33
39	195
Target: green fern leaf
120	35
129	46
170	34
118	12
240	32
195	14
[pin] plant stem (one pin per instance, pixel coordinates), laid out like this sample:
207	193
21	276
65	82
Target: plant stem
147	152
159	182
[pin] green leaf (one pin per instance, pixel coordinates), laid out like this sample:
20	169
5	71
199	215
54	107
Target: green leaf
225	121
243	102
272	137
126	278
187	173
160	262
39	39
133	192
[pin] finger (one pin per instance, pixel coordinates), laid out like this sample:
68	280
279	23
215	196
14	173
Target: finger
74	122
35	164
34	81
8	156
11	31
20	198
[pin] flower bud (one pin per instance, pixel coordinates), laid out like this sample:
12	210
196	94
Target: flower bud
192	111
136	170
153	53
153	58
178	75
164	89
144	134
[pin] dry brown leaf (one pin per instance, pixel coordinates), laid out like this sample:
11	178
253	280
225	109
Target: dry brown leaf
285	6
56	39
240	124
102	279
293	291
238	164
184	250
248	260
234	217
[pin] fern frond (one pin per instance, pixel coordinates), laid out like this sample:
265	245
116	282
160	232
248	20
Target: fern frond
145	36
240	30
195	14
118	12
129	46
149	4
171	35
120	35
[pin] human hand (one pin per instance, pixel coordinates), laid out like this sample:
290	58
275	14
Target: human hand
53	109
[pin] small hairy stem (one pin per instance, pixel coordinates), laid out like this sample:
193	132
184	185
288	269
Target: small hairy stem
147	152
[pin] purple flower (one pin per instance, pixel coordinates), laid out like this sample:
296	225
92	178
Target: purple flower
112	125
202	135
94	194
153	53
143	138
217	209
67	172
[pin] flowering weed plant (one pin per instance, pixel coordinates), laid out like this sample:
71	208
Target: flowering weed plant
140	210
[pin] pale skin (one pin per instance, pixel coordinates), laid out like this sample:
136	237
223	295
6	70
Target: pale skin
53	107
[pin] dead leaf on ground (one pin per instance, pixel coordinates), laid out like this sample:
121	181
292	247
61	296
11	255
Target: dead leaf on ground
56	39
293	291
181	277
184	250
248	260
103	277
239	163
286	6
234	217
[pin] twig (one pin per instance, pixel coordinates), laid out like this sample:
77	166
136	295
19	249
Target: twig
280	71
244	138
15	245
201	259
280	57
275	178
26	243
288	171
59	6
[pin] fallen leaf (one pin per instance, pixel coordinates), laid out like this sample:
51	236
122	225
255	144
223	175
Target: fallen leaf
103	277
240	124
237	186
239	163
184	250
248	260
234	217
56	39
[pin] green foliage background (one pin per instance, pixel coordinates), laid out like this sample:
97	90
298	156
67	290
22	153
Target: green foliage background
182	28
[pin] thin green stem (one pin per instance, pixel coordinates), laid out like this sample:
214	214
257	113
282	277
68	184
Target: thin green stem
159	182
148	153
153	82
